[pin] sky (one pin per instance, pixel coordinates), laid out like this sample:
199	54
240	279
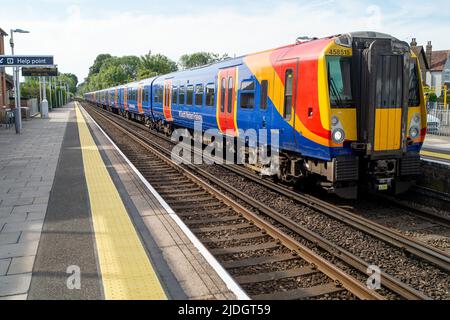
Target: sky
76	31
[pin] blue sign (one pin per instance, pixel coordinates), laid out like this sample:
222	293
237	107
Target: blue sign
20	61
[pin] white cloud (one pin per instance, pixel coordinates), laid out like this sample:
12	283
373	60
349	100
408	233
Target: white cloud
75	40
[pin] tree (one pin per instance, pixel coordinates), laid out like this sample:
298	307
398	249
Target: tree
432	97
155	64
98	63
198	59
70	79
109	71
30	88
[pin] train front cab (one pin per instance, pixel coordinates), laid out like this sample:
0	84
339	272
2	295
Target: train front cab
390	115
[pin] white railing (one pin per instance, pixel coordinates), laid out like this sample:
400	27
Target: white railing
438	120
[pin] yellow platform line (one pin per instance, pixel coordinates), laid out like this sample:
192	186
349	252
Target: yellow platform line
127	273
435	154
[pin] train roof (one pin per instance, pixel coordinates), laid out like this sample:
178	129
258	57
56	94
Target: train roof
344	39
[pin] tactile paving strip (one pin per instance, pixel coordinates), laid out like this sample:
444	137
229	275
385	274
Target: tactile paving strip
127	273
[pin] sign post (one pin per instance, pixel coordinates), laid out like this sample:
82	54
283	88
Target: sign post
26	61
40	72
44	104
22	61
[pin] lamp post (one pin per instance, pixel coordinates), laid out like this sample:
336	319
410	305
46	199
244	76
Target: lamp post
17	112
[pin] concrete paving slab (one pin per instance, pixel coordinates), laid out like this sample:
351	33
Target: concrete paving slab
27	168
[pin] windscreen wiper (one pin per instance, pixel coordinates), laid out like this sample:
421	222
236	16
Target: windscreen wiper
336	93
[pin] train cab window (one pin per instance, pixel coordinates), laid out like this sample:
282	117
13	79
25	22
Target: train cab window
181	96
247	98
174	95
230	95
264	94
210	95
340	82
222	95
414	92
199	95
289	80
190	95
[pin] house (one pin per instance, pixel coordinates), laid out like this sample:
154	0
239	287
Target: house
438	61
435	65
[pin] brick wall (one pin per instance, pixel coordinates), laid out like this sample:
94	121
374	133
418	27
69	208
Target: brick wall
4	99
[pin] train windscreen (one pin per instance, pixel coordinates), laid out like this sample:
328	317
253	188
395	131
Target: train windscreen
340	81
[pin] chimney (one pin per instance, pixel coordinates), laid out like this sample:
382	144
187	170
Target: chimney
429	52
414	42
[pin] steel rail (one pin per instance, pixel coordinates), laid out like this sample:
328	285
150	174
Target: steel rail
338	252
332	271
417	248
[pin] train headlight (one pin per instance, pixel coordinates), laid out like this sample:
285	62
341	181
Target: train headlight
414	132
338	136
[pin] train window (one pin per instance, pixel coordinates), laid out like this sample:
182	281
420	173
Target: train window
264	91
289	80
247	99
414	92
210	95
144	96
190	95
174	95
181	99
230	95
166	95
199	95
158	94
247	85
222	95
339	82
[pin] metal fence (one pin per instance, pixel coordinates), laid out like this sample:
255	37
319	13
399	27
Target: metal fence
438	120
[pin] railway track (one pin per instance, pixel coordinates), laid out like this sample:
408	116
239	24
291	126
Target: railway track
289	225
269	258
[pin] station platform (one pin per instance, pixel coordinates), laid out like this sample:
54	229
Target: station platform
436	149
78	221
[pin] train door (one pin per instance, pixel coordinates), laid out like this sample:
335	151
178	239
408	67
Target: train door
116	97
139	98
125	98
288	71
167	100
226	101
385	98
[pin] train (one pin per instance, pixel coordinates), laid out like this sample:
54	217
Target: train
349	109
